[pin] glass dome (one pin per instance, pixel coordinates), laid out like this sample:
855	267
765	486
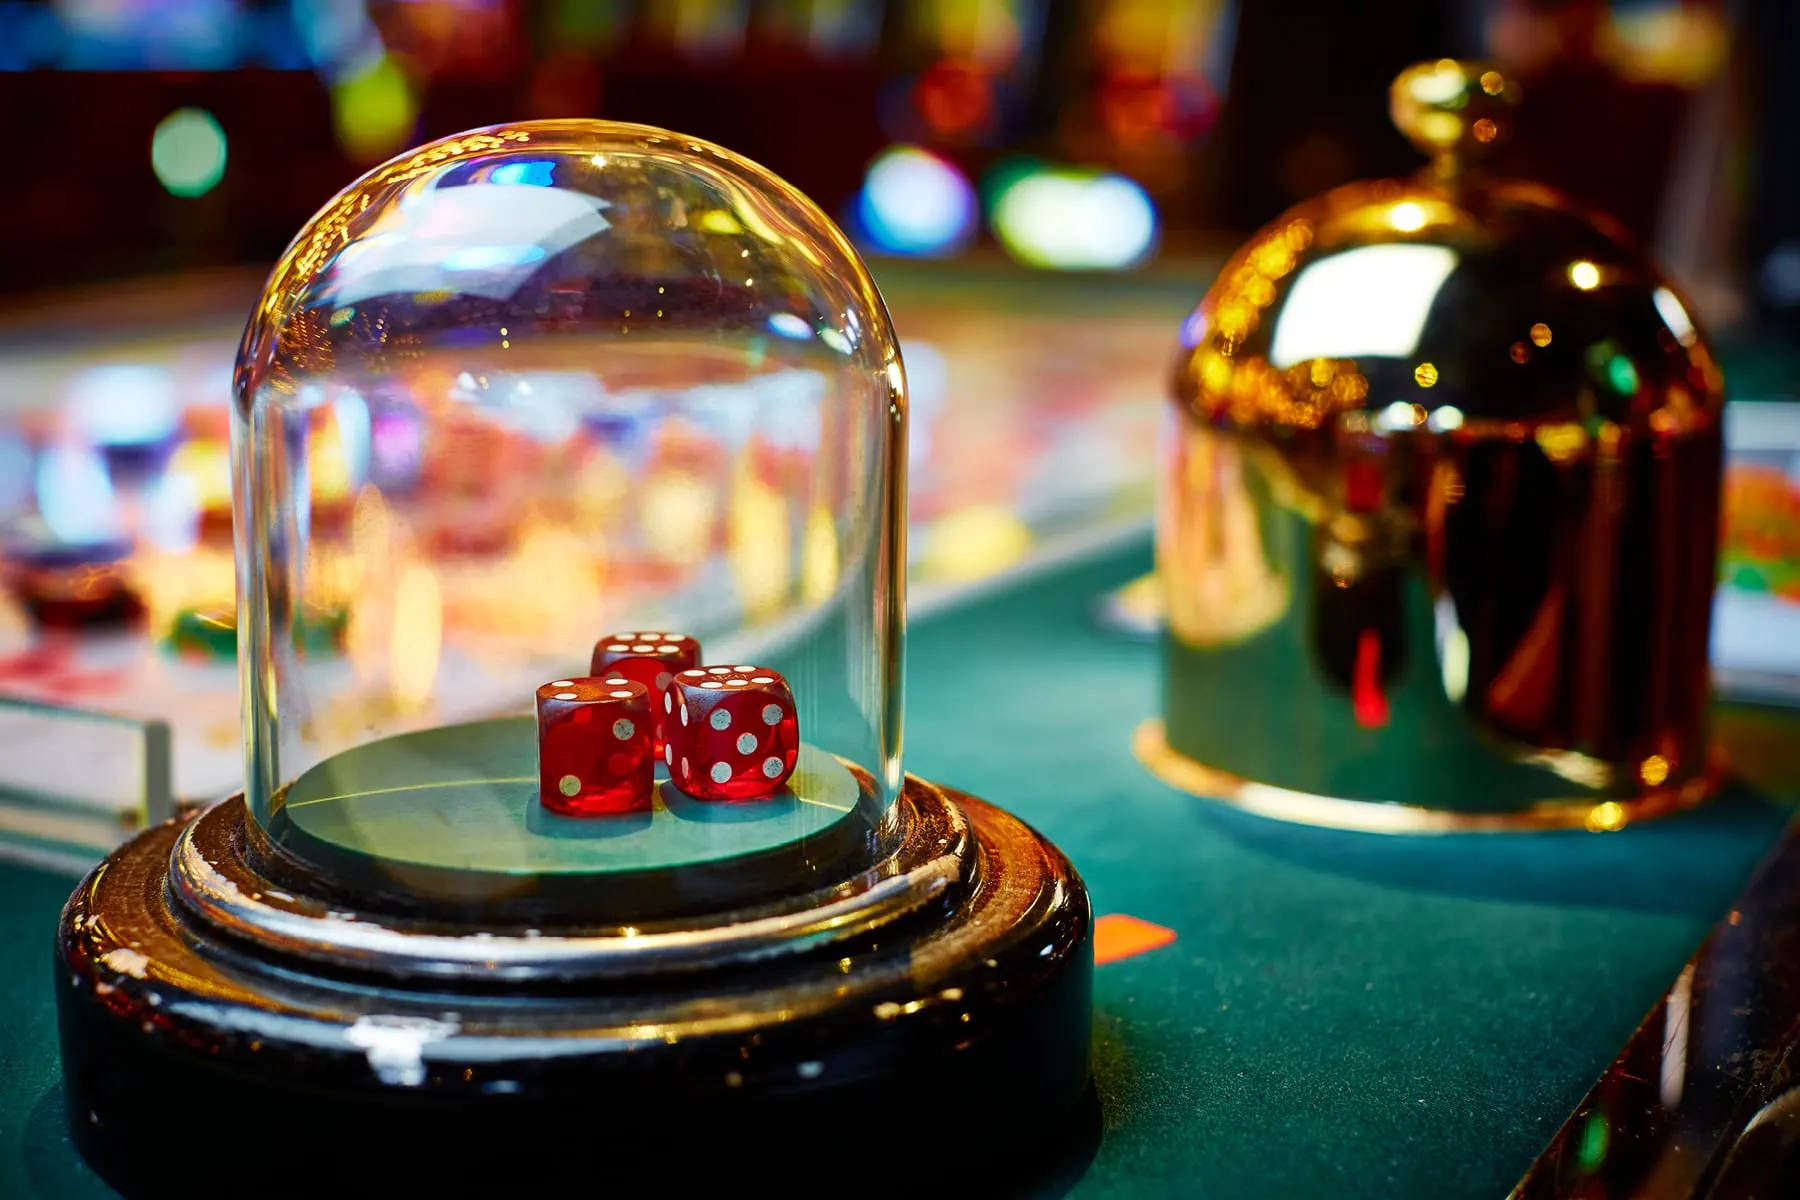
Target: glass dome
514	398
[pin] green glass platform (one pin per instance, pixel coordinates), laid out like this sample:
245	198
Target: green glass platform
453	812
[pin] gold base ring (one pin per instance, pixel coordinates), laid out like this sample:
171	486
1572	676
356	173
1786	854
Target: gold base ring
1372	816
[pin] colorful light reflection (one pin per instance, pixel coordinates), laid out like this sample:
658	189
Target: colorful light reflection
917	204
374	110
187	152
1069	219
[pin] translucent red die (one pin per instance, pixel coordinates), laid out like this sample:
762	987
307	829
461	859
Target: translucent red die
595	756
651	658
733	732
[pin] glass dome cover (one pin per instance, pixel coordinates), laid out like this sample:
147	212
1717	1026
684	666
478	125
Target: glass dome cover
512	401
509	395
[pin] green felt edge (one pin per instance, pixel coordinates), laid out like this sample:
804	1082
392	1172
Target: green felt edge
36	1159
1344	1015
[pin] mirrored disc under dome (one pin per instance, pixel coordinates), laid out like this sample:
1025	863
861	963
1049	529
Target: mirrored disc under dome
541	405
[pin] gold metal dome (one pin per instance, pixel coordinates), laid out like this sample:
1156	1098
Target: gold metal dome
1438	535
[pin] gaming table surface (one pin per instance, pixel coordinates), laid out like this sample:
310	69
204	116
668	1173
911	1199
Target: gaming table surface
1338	1014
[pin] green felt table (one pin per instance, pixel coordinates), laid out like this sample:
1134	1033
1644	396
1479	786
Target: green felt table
1341	1015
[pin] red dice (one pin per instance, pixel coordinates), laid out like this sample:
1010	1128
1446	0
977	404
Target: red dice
594	746
733	733
652	660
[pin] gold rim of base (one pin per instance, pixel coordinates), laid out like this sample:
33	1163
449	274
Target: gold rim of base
1152	748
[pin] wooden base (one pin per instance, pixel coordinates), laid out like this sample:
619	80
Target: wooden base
958	1031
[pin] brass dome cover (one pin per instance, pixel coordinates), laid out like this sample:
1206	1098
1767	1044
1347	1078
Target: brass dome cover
1456	442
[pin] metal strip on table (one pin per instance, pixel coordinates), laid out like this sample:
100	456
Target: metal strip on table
1702	1102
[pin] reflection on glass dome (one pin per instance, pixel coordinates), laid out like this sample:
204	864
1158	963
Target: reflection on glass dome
505	397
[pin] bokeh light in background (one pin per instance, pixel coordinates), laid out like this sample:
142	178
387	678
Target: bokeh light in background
1642	41
974	59
1131	84
1073	219
339	38
1162	69
916	203
975	542
1132	91
812	88
1669	41
374	110
75	495
187	152
123	404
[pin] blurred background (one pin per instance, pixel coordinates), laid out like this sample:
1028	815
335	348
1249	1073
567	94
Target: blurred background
171	135
1043	188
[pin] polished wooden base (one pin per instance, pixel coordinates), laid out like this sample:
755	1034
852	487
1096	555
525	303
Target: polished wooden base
950	1039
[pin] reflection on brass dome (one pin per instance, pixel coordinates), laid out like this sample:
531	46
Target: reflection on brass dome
1452	111
1480	436
1338	306
1230	591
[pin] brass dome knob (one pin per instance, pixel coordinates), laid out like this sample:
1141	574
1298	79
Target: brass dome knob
1453	111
